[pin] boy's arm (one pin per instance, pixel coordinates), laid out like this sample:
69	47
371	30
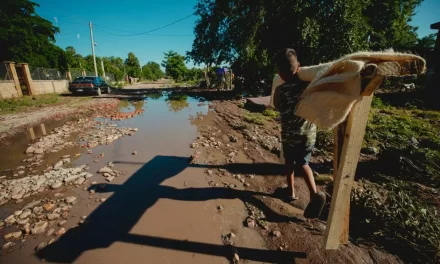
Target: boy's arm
276	98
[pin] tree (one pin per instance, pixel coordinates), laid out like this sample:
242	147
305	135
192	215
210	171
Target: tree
133	66
27	37
152	71
427	42
174	65
246	34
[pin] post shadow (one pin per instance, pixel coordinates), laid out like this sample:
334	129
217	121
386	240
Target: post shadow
112	220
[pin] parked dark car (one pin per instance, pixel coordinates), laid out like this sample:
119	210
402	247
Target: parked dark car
89	84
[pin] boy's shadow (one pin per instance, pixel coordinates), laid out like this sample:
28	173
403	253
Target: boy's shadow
113	219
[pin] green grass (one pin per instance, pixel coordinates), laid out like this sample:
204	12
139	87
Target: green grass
255	118
271	113
14	105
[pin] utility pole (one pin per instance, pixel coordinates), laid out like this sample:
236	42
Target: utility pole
93	48
103	70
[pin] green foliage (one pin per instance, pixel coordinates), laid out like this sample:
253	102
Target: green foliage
27	37
409	141
174	65
393	215
133	66
427	42
271	113
152	71
255	118
248	35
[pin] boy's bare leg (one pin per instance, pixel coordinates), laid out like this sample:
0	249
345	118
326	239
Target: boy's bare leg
289	169
310	181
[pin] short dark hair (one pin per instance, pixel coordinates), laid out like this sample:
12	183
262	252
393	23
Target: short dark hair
286	60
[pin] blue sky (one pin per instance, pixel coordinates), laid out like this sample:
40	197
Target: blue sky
143	15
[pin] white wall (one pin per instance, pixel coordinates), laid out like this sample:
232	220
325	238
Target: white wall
7	90
50	86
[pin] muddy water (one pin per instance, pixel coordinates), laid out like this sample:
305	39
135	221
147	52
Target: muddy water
160	211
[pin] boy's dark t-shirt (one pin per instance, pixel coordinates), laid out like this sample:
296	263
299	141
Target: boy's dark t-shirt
297	134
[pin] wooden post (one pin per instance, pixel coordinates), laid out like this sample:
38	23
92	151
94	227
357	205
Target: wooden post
27	78
344	176
83	72
10	67
43	129
69	76
31	133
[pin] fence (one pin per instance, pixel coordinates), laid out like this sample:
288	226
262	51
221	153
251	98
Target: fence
46	74
4	73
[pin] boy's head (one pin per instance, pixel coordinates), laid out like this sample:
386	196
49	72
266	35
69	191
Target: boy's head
287	63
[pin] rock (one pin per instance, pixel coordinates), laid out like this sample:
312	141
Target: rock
37	210
58	165
32	204
315	174
89	151
134	153
228	239
30	150
58	195
242	180
276	233
70	199
49	207
233	138
41	246
103	200
2	224
65	161
62	222
236	258
17	213
92	191
209	172
369	151
80	181
51	241
110	178
52	216
38	151
220	208
65	156
232	186
39	227
25	214
26	228
13	236
8	245
56	185
250	222
194	145
50	232
284	185
105	170
22	221
60	232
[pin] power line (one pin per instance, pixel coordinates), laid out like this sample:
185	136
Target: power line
147	32
155	35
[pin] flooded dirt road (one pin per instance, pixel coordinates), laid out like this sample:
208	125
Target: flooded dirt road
160	211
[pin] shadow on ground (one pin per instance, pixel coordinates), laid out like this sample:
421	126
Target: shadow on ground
113	219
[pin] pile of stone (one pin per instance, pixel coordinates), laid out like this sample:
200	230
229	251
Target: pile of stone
109	173
37	218
268	142
58	138
54	177
106	134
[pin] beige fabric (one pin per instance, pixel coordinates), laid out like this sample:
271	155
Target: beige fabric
335	86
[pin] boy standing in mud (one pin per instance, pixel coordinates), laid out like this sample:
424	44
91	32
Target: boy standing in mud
298	135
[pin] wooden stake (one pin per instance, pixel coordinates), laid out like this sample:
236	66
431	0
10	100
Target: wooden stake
32	133
43	129
353	136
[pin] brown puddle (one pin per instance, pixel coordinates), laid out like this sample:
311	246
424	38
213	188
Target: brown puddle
160	211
